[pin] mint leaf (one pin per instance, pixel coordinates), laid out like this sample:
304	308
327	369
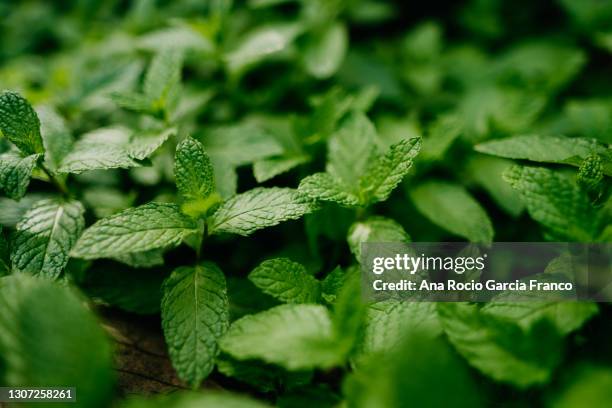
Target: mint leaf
5	263
286	280
259	44
348	315
389	322
226	179
193	170
15	173
295	337
331	285
323	186
45	235
101	149
132	101
385	172
210	399
56	136
266	169
19	123
591	176
554	199
12	211
441	135
133	290
350	150
264	377
142	145
375	229
163	78
145	259
389	379
325	51
566	316
184	36
488	172
541	65
587	385
500	349
485	109
258	208
195	314
591	118
48	338
240	144
548	149
150	226
451	207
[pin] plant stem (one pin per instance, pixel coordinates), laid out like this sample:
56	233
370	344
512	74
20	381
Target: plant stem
59	184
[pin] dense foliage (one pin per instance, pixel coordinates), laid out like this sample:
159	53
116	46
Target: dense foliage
214	167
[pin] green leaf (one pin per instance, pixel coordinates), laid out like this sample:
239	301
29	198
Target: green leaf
348	314
375	229
12	211
145	259
182	35
195	313
421	371
500	349
385	172
193	171
106	201
226	179
451	207
326	50
5	263
286	280
487	171
587	386
45	235
266	169
143	145
264	377
323	186
442	133
548	149
258	208
541	64
133	290
485	109
591	176
591	118
150	226
240	144
19	123
262	43
15	173
331	285
56	136
48	338
554	199
389	322
210	399
350	150
296	337
565	316
101	149
162	81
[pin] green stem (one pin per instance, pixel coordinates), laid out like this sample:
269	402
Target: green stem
59	184
200	243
